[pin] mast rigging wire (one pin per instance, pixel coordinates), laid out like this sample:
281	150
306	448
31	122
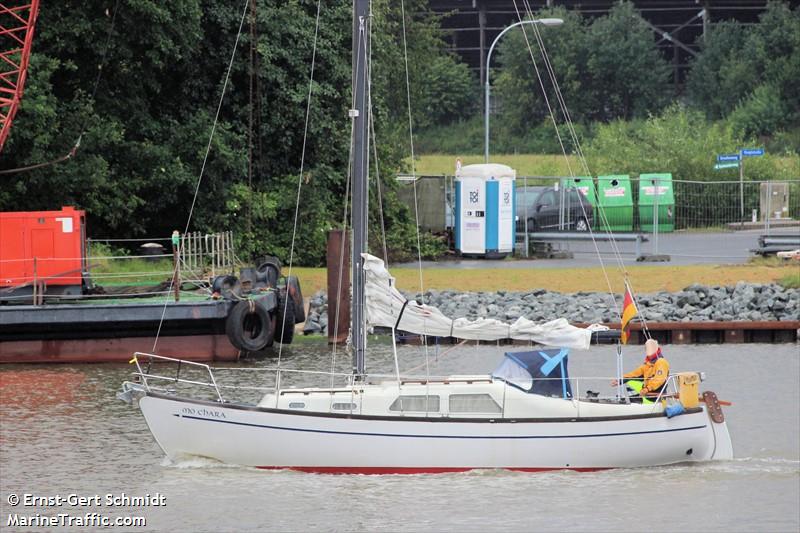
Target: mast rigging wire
205	161
552	116
374	138
302	167
604	219
414	176
582	159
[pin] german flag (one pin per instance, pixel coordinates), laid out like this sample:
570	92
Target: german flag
628	312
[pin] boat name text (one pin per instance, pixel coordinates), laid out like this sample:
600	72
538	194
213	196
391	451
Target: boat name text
208	413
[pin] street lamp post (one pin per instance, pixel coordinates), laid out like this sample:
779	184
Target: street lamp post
543	22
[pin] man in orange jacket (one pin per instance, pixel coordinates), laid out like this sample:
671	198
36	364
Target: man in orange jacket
654	372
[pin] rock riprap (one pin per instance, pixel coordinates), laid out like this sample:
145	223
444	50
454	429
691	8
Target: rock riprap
695	303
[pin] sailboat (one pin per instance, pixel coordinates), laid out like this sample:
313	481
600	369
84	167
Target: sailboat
526	415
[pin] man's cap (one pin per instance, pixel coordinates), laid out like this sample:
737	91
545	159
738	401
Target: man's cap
651	347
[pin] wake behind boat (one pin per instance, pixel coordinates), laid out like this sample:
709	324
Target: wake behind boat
526	415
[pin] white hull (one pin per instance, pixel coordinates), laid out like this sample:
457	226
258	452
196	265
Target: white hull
270	438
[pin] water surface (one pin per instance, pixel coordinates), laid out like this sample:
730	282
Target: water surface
63	432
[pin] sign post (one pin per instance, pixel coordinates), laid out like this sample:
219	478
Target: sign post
737	160
741	193
746	152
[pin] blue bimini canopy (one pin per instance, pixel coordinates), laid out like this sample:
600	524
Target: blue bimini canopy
538	372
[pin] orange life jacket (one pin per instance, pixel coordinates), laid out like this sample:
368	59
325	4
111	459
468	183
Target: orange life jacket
655	374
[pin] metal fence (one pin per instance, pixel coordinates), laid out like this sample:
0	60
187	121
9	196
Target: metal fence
723	205
206	253
200	255
435	200
697	205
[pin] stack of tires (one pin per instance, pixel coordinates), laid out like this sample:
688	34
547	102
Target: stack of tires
268	314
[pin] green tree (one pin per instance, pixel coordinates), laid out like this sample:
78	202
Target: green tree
146	125
517	85
751	75
761	113
626	73
450	92
608	69
680	140
718	78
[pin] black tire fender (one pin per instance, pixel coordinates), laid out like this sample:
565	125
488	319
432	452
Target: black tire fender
268	271
227	286
249	326
293	290
284	320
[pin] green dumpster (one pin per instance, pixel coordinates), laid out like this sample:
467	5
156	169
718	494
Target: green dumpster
656	190
584	184
615	201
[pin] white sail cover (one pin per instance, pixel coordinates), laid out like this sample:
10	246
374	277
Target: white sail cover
385	304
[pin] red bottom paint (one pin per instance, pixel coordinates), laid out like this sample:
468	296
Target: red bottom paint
189	347
383	470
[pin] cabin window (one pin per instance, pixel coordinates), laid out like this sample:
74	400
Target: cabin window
344	406
418	403
473	403
297	405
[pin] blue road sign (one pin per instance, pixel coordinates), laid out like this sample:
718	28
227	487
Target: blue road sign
752	152
727	157
720	166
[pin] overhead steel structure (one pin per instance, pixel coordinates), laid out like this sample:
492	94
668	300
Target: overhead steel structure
679	25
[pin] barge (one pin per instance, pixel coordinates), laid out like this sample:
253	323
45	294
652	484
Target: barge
52	310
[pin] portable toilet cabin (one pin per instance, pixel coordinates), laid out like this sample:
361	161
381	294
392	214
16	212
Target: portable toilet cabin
615	201
485	210
656	193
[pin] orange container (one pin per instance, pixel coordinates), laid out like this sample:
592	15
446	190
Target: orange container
42	246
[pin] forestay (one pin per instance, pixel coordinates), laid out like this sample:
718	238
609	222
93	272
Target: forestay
387	307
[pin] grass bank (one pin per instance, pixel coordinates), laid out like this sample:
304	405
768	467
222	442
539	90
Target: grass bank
540	164
524	164
645	279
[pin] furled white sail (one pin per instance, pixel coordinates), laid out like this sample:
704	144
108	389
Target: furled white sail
385	305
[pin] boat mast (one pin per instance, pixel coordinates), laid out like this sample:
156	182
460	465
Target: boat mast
360	116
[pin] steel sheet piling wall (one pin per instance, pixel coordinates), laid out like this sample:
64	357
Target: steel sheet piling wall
338	263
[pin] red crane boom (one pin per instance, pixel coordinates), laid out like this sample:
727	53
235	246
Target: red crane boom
16	35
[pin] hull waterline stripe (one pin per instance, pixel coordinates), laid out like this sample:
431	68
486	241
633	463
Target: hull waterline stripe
384	470
400	435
